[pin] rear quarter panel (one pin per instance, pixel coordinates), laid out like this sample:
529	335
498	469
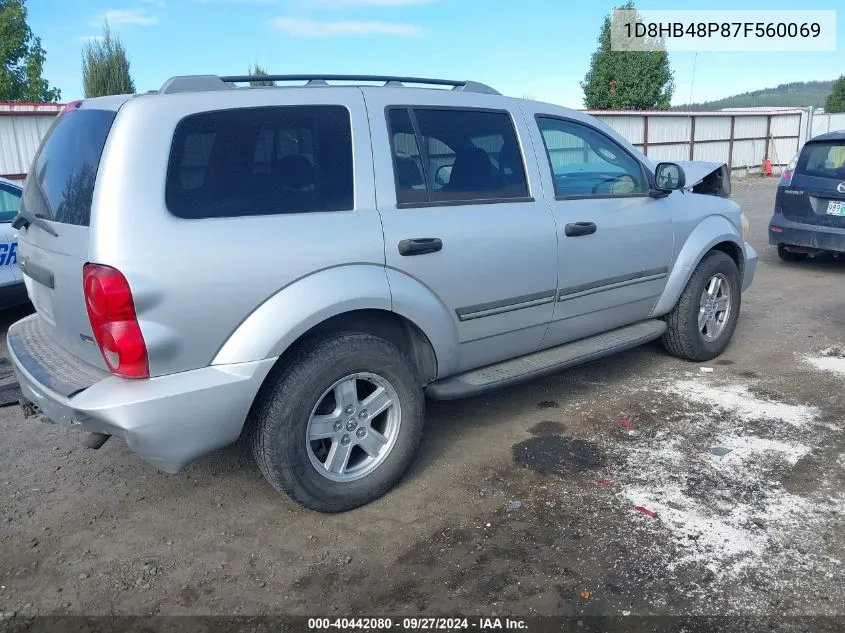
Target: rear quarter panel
195	282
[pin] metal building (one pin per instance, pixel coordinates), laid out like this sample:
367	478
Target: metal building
22	126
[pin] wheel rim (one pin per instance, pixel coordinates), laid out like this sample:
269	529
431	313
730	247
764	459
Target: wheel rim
353	427
715	307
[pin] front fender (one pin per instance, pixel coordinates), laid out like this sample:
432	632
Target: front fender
298	307
710	231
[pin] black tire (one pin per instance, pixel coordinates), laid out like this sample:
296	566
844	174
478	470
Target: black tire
683	337
280	415
789	256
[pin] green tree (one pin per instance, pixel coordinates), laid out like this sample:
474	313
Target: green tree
636	79
836	100
105	67
258	70
22	58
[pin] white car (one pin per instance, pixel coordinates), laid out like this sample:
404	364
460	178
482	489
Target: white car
12	289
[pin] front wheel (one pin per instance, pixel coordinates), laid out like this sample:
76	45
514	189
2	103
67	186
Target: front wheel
339	424
701	324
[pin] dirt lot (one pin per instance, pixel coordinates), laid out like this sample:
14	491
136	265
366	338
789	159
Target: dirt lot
520	501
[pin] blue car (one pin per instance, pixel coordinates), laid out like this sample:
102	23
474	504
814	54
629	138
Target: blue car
809	215
12	289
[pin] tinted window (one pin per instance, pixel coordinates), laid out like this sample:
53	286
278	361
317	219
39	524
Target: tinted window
61	182
261	161
407	162
10	202
823	160
585	162
459	155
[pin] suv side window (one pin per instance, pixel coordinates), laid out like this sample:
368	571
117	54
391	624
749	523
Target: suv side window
261	161
10	203
586	163
450	155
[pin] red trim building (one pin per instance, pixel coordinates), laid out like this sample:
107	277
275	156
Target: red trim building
22	126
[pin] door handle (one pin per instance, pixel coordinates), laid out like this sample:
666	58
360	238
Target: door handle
574	229
420	246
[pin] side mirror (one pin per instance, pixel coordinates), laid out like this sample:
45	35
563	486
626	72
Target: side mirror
669	177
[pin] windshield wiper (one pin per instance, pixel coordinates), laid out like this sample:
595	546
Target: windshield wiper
24	219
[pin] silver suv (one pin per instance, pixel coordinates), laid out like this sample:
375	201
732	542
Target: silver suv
298	266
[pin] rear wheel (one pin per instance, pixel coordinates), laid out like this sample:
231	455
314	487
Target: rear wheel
789	256
701	324
340	423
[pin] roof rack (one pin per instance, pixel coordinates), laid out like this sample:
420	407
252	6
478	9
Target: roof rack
204	83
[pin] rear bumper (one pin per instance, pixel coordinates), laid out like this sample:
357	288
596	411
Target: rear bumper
168	421
826	238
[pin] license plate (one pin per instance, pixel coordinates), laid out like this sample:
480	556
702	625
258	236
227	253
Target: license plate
836	208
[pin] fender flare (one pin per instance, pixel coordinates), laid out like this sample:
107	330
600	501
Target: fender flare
712	230
295	309
420	305
288	314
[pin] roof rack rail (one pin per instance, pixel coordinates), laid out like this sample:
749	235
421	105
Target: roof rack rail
203	83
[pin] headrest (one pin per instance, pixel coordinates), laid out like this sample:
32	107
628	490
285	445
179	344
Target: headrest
295	171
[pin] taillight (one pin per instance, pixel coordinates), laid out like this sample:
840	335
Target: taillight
788	172
111	312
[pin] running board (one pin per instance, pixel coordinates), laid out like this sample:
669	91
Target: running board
547	361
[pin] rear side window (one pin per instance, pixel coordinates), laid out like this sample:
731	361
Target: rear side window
451	155
822	160
10	202
61	181
261	161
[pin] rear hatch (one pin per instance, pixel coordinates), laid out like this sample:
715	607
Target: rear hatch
53	242
816	194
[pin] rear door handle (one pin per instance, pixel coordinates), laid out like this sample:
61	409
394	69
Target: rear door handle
574	229
420	246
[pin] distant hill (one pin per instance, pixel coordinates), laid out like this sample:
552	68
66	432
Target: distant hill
797	94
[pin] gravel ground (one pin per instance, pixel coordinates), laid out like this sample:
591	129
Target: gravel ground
638	484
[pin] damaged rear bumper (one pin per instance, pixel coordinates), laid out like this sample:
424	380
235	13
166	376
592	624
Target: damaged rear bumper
168	421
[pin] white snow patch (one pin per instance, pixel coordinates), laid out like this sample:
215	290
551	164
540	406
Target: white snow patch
833	364
725	540
729	514
743	448
742	403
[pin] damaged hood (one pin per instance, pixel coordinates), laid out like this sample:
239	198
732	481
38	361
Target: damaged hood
697	170
712	179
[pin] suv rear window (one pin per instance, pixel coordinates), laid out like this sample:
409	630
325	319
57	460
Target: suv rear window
62	175
823	160
261	161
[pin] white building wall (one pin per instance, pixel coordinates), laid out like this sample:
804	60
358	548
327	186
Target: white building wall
22	126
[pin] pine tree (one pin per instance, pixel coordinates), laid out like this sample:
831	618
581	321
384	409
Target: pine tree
836	100
258	70
627	80
105	67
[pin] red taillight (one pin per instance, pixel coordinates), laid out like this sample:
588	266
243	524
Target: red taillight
111	312
776	229
788	172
